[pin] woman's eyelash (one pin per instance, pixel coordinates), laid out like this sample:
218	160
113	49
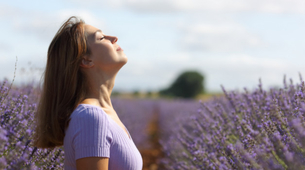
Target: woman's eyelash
102	38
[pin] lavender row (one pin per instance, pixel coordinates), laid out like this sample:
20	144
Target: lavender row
136	114
257	130
172	114
17	108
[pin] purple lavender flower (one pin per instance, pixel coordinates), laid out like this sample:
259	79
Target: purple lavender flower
254	130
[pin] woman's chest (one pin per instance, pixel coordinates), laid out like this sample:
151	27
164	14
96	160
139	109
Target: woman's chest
119	123
123	152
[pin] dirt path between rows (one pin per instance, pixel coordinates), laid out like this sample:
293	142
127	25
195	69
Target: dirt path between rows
151	156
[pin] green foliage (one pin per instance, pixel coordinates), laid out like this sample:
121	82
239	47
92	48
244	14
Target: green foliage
115	93
149	94
136	93
188	85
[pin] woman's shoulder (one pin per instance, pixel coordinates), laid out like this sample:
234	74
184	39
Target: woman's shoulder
88	117
88	111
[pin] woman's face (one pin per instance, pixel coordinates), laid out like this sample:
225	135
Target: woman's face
105	52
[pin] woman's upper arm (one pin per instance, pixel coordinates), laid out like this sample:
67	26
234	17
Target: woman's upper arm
92	163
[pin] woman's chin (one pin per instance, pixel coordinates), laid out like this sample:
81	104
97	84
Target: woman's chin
125	59
123	62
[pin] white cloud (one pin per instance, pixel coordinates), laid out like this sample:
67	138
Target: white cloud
242	70
33	31
45	25
234	71
4	47
8	11
222	36
241	61
269	6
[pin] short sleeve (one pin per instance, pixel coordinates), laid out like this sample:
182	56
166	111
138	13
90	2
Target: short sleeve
92	137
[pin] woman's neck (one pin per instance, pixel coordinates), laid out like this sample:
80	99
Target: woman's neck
99	92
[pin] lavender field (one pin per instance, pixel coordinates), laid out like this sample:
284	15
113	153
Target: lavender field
251	129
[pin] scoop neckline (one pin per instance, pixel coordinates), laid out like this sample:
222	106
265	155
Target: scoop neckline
128	135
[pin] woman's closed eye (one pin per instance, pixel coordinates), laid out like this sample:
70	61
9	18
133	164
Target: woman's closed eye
102	38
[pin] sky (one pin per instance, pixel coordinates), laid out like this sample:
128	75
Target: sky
232	43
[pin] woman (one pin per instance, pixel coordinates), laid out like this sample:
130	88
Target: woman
75	108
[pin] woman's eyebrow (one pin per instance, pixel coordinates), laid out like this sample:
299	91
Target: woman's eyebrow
98	31
94	35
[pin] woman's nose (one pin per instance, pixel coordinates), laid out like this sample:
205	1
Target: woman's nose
113	39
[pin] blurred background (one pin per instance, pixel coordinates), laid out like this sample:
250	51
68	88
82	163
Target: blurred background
233	43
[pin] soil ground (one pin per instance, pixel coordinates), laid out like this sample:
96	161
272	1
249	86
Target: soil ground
150	156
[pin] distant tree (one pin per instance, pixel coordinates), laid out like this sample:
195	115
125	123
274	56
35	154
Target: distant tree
187	85
149	93
115	93
136	93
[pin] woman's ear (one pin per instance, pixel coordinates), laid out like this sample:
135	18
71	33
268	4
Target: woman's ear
86	62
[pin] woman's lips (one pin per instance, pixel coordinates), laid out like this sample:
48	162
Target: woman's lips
119	49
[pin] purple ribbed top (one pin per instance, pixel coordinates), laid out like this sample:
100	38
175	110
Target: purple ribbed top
92	133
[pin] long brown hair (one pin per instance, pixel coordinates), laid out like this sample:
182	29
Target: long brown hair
64	84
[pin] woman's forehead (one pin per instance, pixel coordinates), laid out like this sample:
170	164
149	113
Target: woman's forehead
91	30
